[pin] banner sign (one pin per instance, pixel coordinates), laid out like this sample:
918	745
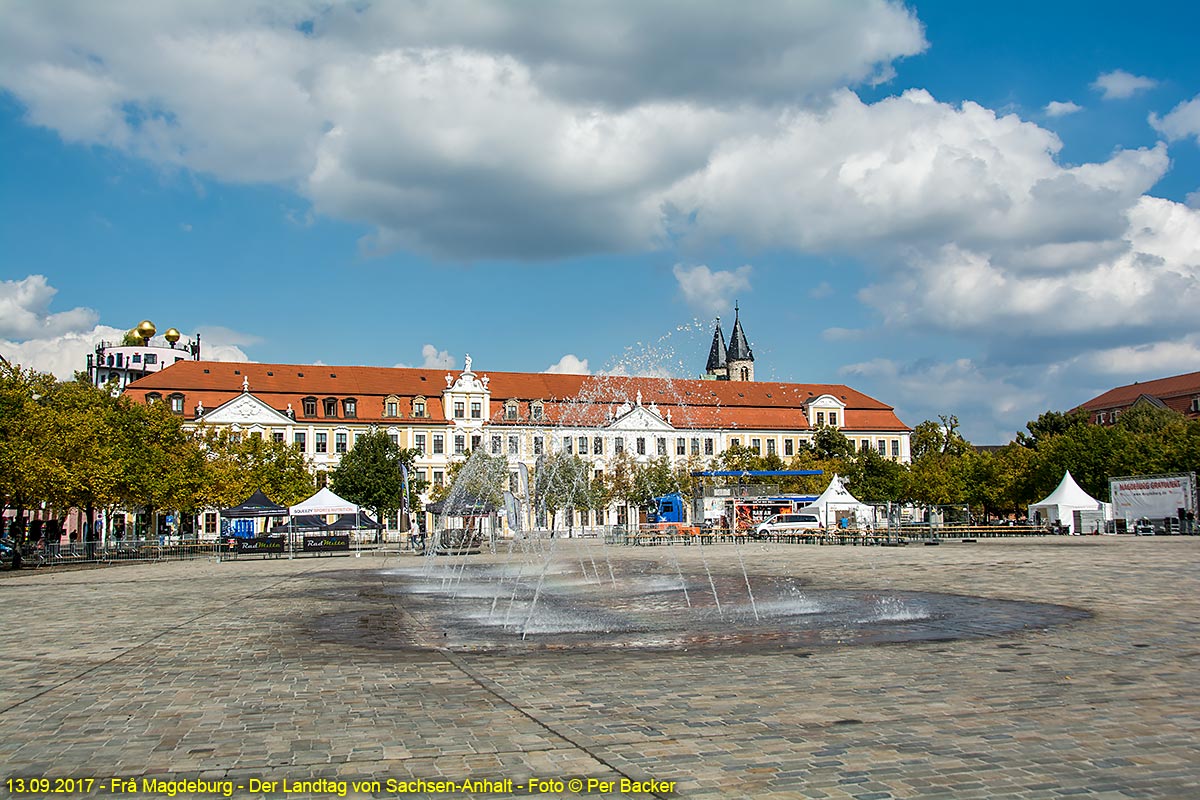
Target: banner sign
326	544
263	544
1153	496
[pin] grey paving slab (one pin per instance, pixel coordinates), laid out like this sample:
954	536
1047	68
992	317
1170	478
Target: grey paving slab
297	670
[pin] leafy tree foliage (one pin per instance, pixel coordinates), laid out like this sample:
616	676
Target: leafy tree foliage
239	466
370	473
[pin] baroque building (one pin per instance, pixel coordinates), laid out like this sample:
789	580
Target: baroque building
520	415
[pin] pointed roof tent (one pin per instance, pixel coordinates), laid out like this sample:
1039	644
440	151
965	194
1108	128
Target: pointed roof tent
256	505
716	353
1059	505
323	502
837	501
739	348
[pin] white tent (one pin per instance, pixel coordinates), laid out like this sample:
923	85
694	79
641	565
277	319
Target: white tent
1061	504
323	502
836	503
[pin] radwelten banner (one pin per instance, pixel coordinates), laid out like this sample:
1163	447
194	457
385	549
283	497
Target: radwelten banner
1153	496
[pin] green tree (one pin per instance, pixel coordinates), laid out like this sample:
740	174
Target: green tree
162	465
1050	424
27	466
830	443
238	466
370	474
562	481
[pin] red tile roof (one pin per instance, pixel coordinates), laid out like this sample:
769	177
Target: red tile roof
572	399
1177	388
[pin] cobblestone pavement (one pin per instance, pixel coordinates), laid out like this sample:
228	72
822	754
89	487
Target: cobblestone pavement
214	671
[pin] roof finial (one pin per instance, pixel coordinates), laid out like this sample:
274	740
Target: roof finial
245	383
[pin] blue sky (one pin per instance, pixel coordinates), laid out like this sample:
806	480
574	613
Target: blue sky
885	189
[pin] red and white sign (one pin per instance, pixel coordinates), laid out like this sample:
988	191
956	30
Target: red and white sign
1153	496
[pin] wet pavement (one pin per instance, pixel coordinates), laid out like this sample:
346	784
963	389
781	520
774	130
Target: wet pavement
870	673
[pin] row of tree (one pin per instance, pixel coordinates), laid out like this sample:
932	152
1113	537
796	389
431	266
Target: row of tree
72	445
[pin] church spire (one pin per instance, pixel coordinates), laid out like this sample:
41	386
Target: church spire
716	353
739	360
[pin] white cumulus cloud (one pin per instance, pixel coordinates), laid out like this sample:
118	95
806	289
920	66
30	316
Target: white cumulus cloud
1061	108
569	364
711	290
1120	85
1181	122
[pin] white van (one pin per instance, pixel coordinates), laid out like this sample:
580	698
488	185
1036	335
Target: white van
787	523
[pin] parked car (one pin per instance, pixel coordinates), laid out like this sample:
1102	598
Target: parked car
8	551
787	523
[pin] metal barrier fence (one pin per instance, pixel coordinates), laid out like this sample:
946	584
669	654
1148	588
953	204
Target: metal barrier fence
835	536
54	555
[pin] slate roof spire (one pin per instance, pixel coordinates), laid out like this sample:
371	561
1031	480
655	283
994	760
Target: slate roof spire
716	353
739	348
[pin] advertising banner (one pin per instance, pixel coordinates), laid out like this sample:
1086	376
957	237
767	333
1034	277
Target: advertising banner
273	545
1153	496
326	544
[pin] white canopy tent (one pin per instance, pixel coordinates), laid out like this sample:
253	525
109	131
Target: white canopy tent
323	502
1061	504
836	503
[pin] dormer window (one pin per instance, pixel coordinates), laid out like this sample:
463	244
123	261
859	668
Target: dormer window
510	410
330	407
152	398
833	419
419	407
309	406
1102	418
1196	404
820	418
536	410
391	407
176	402
350	408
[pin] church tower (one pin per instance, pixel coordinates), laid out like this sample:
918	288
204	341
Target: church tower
715	369
739	359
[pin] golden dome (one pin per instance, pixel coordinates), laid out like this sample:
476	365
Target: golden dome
172	335
146	329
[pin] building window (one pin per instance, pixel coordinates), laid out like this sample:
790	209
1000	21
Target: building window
735	442
322	443
681	447
460	444
641	445
598	445
439	444
820	418
1195	404
619	445
153	398
882	447
770	447
277	437
394	437
298	441
339	442
309	406
895	448
510	410
419	407
176	401
419	443
460	409
535	410
330	407
210	522
476	442
391	408
583	445
476	409
660	446
864	445
567	444
137	358
756	445
151	358
439	477
495	445
537	446
789	447
350	408
708	447
696	446
513	446
833	419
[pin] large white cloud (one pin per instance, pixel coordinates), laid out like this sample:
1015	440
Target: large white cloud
709	290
